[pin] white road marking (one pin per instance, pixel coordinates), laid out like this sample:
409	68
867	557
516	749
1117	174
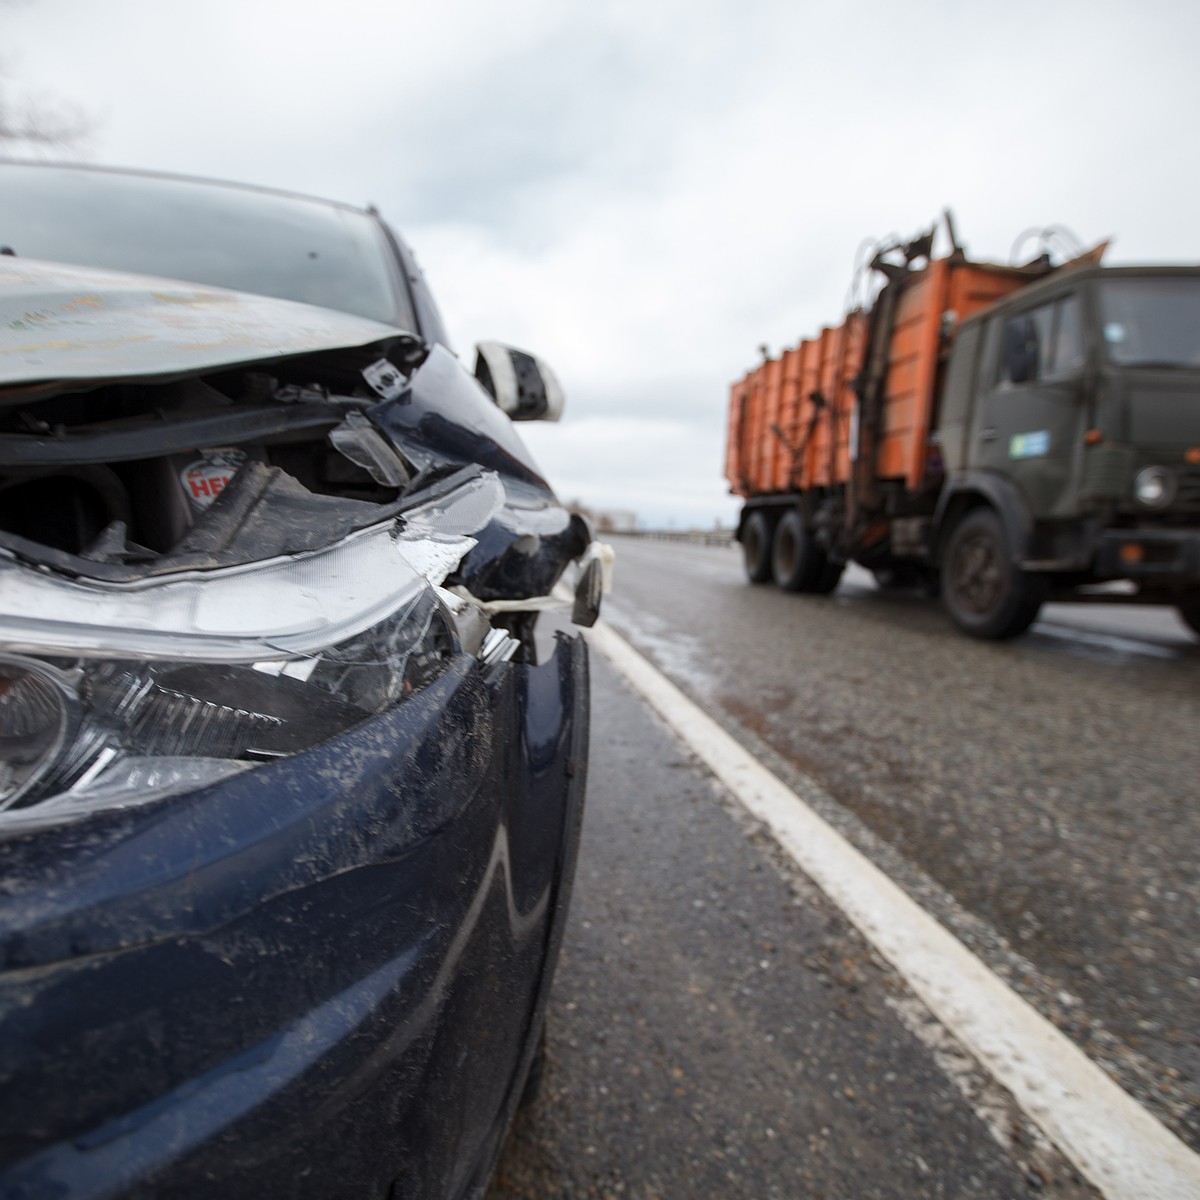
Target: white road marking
1116	1143
1104	641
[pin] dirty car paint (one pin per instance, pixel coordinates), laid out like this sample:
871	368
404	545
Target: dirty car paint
319	974
67	322
343	948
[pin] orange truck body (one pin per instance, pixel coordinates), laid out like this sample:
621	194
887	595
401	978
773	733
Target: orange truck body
792	419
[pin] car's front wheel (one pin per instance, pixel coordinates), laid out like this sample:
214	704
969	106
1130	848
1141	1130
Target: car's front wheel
537	1072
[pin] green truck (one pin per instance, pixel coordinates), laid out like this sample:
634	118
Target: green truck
1016	434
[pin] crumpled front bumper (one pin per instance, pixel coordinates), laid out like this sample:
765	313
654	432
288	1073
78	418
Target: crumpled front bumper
321	978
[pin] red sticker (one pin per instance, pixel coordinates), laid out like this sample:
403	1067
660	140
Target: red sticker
206	478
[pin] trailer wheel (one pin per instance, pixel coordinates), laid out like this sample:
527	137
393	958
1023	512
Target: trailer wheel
1189	610
985	592
797	562
756	547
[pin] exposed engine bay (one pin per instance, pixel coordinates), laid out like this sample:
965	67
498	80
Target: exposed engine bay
124	473
316	535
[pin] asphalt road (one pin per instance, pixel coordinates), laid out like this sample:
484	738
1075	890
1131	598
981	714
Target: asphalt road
1039	796
717	1029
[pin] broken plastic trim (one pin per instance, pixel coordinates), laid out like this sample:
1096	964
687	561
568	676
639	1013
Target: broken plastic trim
283	608
364	445
134	692
594	581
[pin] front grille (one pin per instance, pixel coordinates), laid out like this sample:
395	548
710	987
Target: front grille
1187	497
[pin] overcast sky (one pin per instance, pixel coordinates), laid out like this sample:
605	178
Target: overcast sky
643	192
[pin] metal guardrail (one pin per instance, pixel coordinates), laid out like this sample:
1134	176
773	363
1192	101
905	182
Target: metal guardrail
696	537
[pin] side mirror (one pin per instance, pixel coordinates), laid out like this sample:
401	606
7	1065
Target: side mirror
521	385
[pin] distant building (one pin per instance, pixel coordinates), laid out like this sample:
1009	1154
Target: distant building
616	521
606	520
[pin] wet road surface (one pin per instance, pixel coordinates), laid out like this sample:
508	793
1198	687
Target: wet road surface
1040	796
718	1030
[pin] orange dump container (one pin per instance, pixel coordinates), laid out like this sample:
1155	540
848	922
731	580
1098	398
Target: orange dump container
792	419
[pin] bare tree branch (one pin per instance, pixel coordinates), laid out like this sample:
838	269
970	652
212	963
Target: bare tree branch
37	125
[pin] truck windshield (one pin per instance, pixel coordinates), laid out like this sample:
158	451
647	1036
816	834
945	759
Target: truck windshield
1151	322
247	239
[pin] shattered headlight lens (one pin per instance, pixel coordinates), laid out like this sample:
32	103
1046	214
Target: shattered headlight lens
38	714
119	693
88	731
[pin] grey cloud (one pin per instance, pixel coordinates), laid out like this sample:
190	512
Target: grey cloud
587	109
644	192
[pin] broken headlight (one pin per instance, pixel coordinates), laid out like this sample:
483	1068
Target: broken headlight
88	731
118	693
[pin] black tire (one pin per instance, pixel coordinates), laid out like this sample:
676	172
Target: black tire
986	594
1189	612
537	1073
797	562
756	547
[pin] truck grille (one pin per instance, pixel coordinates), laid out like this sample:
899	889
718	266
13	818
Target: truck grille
1187	498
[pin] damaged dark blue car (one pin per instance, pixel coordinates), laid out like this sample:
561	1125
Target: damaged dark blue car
290	792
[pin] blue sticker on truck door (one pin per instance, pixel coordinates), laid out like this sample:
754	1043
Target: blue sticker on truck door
1029	445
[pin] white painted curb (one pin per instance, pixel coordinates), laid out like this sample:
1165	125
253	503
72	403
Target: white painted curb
1115	1142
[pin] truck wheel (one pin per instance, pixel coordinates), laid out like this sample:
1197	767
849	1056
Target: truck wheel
985	592
796	560
1189	610
756	547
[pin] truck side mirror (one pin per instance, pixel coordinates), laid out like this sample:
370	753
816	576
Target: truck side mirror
521	384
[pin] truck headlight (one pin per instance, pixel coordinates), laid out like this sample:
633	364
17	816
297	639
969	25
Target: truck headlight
1154	487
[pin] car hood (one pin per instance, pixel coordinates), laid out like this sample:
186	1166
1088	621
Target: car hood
62	323
150	426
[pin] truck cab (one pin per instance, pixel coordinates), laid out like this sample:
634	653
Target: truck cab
1072	411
